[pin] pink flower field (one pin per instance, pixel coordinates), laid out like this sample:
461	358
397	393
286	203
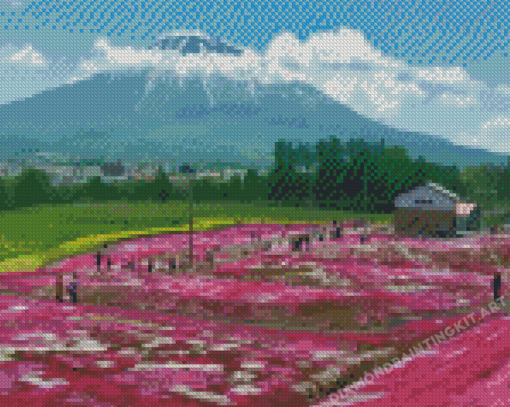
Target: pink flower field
471	369
253	321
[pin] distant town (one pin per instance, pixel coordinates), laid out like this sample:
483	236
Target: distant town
76	170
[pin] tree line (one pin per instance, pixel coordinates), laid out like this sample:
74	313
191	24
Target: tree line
356	175
34	187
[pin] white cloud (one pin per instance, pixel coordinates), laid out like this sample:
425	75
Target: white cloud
503	90
344	46
118	57
340	88
441	75
345	66
498	122
28	56
452	99
469	139
493	134
447	101
25	72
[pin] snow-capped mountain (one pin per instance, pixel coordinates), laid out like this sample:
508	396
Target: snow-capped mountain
194	43
195	98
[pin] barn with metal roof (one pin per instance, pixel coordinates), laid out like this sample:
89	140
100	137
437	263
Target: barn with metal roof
431	210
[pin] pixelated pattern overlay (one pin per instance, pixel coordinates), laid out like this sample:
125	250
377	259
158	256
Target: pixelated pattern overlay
254	203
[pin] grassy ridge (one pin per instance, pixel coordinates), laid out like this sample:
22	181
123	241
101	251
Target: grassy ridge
32	237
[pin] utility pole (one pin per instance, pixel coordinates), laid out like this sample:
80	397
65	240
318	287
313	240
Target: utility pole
365	191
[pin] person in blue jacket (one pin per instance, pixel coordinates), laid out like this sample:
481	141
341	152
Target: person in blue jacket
73	290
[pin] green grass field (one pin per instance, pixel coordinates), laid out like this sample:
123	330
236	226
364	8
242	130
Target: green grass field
32	237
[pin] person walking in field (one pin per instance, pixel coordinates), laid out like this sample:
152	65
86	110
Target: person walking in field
73	290
338	230
98	259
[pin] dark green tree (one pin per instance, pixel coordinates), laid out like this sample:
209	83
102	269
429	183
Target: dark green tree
280	179
234	189
377	185
205	190
139	191
125	190
254	189
353	182
6	196
503	184
446	176
288	186
387	172
33	187
397	173
285	155
303	189
97	190
332	167
285	183
160	189
66	193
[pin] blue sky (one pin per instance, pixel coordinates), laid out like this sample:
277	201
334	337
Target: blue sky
439	68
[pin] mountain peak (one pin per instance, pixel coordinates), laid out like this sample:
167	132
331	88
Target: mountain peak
194	43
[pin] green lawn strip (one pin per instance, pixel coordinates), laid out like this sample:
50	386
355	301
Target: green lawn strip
32	237
37	230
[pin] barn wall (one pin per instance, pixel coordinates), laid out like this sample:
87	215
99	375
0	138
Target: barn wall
411	221
408	200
